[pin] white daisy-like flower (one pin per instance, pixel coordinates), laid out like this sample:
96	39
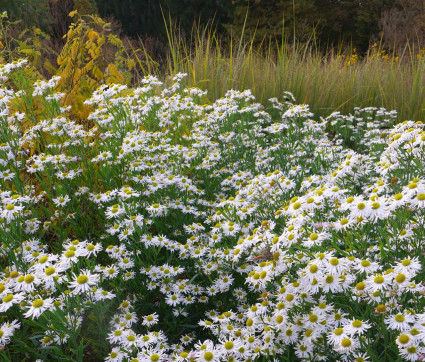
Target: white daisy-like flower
396	201
38	307
336	336
101	294
400	322
116	355
61	200
7	330
110	271
150	320
83	282
356	326
208	354
11	211
412	353
377	282
408	266
154	355
27	283
378	208
404	340
229	346
92	249
337	266
360	208
366	266
347	344
10	299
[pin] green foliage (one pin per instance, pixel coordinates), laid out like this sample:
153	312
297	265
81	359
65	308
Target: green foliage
144	17
329	21
30	43
273	19
30	12
85	7
136	17
187	12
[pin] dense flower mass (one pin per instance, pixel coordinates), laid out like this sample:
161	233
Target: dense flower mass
176	229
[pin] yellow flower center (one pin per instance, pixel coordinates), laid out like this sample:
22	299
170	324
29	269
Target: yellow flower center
69	253
82	279
208	356
314	269
334	261
329	279
398	197
228	345
404	339
357	323
338	331
38	303
412	350
400	278
365	263
29	279
346	342
49	271
8	298
313	318
43	259
399	318
406	262
379	279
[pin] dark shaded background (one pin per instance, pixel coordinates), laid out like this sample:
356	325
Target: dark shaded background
356	23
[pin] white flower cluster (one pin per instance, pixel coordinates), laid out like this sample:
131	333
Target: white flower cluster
176	229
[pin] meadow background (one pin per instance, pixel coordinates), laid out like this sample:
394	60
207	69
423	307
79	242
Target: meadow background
212	180
306	47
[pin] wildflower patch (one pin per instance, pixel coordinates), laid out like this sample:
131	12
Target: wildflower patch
176	229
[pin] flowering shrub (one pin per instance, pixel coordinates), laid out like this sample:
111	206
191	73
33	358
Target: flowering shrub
179	230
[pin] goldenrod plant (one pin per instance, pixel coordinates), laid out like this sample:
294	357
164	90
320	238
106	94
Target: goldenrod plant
91	56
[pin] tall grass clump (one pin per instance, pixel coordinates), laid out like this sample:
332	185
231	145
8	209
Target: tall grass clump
327	80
